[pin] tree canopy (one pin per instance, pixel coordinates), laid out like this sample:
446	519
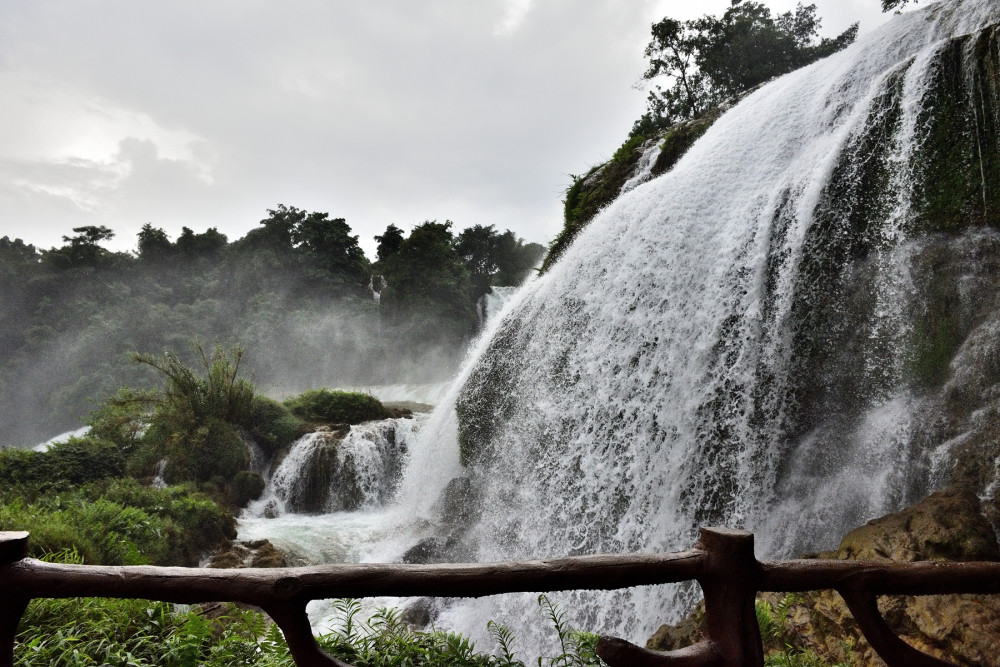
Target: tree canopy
700	63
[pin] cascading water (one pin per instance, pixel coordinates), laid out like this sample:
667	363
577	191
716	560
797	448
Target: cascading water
751	339
328	472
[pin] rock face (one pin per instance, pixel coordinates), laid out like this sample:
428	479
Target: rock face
964	629
255	553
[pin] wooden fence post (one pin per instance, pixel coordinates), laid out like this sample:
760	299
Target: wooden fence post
13	547
730	586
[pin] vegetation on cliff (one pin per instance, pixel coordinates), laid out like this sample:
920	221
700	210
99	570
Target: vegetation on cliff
707	63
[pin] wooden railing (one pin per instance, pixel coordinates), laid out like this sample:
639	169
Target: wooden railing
722	562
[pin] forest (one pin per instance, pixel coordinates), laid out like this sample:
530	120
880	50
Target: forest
297	292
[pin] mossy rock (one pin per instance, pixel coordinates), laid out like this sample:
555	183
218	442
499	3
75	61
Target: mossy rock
272	425
327	406
947	525
964	629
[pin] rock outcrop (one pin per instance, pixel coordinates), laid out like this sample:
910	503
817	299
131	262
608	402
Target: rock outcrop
964	629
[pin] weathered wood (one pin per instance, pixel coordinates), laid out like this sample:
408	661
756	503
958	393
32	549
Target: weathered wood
294	624
258	585
722	562
893	650
881	577
11	610
13	546
615	651
730	588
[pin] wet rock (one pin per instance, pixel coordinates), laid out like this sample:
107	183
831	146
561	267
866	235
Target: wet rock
964	629
255	553
419	614
427	550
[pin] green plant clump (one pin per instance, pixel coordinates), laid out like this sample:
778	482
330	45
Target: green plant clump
326	406
117	522
76	461
136	633
273	425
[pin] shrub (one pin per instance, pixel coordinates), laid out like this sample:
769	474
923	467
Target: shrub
272	425
120	522
336	407
76	461
246	486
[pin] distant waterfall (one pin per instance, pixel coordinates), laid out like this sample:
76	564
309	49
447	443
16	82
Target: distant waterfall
329	472
750	339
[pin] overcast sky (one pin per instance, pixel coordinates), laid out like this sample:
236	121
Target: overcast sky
205	114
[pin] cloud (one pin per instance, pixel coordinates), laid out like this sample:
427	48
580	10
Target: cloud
515	13
388	112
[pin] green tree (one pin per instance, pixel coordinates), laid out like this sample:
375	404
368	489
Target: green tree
477	246
429	279
895	4
83	249
328	245
154	244
708	60
389	242
209	245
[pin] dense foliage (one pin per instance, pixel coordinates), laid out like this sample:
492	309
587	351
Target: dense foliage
326	406
115	521
708	60
295	290
137	633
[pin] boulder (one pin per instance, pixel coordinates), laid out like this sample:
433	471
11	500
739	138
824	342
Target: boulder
964	629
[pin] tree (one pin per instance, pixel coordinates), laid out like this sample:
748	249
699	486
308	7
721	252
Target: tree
329	246
708	60
83	249
895	4
154	244
209	245
429	279
477	245
389	242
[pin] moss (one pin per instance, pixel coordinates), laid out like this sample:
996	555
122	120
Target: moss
326	406
958	180
679	138
246	486
602	184
272	425
592	192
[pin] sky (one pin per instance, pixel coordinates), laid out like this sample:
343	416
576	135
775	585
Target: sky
206	114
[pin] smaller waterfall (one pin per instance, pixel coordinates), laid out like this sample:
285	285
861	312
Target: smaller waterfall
644	170
330	471
376	284
491	303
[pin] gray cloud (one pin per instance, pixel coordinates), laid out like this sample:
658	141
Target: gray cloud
206	114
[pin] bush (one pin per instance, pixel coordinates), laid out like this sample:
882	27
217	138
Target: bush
272	425
102	532
246	486
211	449
76	461
119	522
326	406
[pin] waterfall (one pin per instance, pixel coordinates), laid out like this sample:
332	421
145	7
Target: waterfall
753	339
327	471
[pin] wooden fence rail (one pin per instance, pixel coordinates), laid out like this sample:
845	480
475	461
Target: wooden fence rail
722	562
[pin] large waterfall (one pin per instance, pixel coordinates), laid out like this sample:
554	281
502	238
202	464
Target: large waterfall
764	337
794	330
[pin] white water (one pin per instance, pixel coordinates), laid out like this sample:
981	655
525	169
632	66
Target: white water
646	380
646	383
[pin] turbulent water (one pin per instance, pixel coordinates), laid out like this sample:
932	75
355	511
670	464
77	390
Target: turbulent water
741	341
730	343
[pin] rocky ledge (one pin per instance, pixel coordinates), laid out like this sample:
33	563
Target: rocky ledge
964	629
